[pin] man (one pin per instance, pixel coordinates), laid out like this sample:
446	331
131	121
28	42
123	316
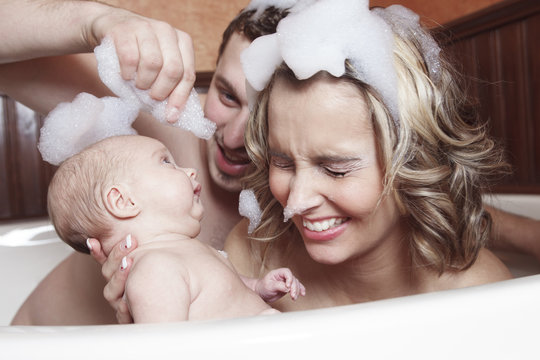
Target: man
221	161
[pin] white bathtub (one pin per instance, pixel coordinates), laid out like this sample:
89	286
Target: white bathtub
492	321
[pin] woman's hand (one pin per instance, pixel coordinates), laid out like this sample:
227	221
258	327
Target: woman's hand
151	52
115	269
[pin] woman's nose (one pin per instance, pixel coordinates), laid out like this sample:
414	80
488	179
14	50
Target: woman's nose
303	195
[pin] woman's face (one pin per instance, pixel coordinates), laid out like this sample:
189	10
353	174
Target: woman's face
324	169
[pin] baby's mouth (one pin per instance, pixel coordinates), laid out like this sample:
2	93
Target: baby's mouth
197	191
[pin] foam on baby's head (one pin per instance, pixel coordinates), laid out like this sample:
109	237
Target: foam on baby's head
73	126
321	35
249	207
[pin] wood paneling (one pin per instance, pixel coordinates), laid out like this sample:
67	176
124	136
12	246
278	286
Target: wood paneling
498	51
24	175
439	11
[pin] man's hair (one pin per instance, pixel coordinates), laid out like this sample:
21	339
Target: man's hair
251	26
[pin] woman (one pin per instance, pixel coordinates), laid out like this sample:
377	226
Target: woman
383	188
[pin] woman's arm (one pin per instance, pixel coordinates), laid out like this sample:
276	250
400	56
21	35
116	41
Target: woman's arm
515	233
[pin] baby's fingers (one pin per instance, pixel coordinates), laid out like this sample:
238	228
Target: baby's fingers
297	289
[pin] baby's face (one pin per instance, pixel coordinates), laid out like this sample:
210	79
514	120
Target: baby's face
166	192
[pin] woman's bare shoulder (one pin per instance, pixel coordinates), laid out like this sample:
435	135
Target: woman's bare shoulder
238	249
487	268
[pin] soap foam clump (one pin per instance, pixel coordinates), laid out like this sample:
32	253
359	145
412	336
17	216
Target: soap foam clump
71	127
406	23
321	35
249	208
190	119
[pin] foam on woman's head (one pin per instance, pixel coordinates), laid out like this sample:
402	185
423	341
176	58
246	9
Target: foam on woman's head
322	35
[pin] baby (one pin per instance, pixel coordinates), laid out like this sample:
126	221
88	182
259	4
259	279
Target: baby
131	184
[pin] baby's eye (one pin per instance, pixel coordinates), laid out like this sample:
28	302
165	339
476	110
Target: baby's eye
166	160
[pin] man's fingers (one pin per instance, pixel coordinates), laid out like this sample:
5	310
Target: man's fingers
150	59
180	94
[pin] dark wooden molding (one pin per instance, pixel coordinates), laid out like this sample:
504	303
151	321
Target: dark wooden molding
489	18
202	82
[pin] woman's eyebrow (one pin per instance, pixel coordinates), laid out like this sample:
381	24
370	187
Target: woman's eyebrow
338	159
277	154
335	159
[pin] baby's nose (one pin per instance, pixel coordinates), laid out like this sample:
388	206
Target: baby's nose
191	173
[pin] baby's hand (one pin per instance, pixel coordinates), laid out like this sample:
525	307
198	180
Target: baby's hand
277	283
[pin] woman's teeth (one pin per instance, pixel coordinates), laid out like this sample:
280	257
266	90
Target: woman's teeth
323	225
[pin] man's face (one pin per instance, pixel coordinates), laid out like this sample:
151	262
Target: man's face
226	105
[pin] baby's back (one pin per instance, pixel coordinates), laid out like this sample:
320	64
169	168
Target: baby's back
201	278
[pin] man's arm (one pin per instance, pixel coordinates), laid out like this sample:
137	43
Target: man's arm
161	57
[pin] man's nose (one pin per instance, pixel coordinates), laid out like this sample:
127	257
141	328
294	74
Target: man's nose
233	134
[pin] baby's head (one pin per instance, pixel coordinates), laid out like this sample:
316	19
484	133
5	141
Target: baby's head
118	179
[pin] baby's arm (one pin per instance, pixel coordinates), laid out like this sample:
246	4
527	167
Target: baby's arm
157	289
275	284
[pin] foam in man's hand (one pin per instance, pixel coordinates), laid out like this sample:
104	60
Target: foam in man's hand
191	118
71	127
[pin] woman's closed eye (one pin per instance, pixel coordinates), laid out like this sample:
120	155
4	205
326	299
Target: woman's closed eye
342	169
335	173
281	163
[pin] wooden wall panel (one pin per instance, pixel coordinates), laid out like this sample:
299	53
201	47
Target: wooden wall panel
532	31
440	11
498	50
25	177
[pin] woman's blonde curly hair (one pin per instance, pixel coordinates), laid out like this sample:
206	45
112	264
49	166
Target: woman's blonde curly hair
437	160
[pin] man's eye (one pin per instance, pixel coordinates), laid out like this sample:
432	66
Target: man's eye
228	98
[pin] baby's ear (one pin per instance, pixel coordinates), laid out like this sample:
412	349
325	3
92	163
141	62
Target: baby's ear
120	203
